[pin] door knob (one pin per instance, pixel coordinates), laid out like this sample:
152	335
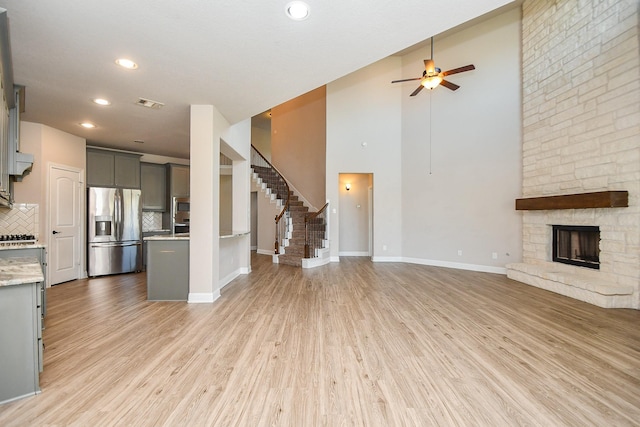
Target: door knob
55	232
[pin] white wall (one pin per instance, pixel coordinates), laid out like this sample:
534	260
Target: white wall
446	165
48	146
461	151
364	107
211	135
261	139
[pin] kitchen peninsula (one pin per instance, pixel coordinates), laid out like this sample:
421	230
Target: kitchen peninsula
168	264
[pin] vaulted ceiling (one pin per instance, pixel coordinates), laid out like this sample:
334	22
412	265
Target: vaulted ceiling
241	56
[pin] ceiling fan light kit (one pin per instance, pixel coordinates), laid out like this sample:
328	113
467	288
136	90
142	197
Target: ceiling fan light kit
431	82
433	77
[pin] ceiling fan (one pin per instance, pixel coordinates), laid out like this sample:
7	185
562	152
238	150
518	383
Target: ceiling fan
433	76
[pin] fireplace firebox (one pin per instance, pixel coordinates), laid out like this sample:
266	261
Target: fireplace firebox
577	245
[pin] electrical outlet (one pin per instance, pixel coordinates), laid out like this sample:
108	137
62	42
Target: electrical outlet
459	252
384	247
494	255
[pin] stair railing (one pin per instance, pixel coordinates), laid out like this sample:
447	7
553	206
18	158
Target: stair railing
314	231
282	192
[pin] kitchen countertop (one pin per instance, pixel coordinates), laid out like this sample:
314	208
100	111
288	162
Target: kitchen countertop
160	230
185	236
5	246
178	236
224	234
18	271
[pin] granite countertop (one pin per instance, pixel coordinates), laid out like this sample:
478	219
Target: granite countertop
6	246
162	230
185	236
178	236
18	271
228	234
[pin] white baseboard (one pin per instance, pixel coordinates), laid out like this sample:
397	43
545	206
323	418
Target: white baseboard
229	277
204	297
456	265
264	252
314	262
386	259
354	253
335	259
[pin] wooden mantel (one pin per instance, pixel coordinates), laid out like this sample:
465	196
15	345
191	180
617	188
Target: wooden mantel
600	199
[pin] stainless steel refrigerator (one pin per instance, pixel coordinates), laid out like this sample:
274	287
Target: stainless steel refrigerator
114	231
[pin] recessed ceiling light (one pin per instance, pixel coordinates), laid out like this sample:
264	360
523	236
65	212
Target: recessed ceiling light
101	101
87	125
297	10
126	63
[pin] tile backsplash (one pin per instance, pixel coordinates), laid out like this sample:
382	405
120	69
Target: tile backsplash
21	219
151	221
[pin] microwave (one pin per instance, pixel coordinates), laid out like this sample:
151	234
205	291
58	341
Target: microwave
180	214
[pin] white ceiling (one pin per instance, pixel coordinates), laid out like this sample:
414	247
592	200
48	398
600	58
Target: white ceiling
244	57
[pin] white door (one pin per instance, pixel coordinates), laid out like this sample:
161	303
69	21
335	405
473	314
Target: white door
65	226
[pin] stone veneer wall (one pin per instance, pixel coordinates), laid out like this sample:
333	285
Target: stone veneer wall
581	133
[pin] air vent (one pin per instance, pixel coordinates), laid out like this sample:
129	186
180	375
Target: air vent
149	103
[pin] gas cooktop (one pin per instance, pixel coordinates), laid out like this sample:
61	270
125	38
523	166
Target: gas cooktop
17	239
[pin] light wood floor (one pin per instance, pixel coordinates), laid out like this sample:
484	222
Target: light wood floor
351	343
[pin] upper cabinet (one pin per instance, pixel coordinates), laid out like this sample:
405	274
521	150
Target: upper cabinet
178	180
154	185
112	169
13	163
127	170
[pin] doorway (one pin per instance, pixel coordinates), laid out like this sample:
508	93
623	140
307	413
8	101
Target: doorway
65	224
355	214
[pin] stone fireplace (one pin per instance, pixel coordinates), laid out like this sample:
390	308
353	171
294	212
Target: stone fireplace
581	129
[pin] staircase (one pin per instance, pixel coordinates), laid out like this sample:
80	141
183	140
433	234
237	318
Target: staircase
292	248
300	236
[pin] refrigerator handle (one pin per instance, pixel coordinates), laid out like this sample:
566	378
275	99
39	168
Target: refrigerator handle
115	244
116	214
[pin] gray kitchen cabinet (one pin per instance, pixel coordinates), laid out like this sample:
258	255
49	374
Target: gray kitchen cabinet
167	269
112	169
154	187
127	170
21	351
178	180
145	246
39	252
100	168
21	338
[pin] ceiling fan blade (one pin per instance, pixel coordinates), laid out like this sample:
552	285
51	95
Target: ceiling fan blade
459	70
449	85
406	80
417	91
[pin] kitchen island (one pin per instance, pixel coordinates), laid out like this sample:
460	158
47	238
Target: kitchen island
168	267
21	285
168	264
